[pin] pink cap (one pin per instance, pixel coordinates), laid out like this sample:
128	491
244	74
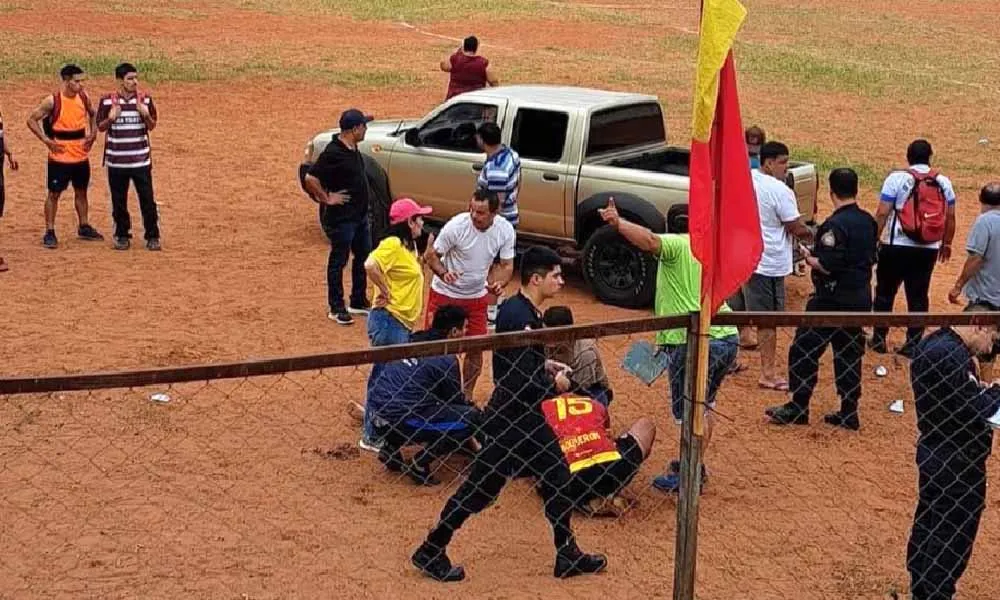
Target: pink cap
406	208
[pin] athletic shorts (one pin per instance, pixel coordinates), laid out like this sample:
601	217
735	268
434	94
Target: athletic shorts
475	308
764	294
61	175
610	478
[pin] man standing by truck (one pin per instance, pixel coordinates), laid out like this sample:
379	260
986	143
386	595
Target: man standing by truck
468	71
338	181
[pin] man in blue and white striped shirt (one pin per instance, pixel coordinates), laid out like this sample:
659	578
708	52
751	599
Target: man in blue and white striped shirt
502	170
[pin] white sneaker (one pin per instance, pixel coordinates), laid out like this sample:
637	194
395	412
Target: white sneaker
369	446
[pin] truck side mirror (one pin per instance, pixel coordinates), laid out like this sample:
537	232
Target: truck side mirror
412	137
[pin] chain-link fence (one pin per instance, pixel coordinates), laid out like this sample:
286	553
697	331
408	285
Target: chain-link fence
248	480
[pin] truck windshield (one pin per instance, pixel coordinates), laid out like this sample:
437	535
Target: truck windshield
622	127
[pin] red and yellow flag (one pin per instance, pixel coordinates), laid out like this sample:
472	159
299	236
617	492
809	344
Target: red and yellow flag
723	218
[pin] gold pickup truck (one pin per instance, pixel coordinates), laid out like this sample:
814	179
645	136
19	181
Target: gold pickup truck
578	148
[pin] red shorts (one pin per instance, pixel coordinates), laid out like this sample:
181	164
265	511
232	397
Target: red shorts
475	308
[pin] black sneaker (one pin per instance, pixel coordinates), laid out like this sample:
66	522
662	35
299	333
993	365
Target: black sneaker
787	414
49	239
877	345
360	309
342	317
122	243
392	460
574	562
421	475
848	421
435	564
153	245
87	232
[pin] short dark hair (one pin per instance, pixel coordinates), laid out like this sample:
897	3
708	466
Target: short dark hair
990	194
490	133
538	260
755	132
919	152
844	183
449	317
124	69
677	218
771	150
490	197
558	316
70	71
470	44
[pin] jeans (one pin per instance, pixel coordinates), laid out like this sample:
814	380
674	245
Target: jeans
721	356
142	178
347	237
385	329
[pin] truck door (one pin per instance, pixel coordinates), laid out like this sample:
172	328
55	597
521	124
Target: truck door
540	137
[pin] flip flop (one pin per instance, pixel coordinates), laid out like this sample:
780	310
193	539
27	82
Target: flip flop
3	265
777	386
749	347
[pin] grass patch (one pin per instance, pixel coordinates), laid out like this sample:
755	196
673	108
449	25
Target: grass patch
826	161
9	7
413	11
130	7
157	68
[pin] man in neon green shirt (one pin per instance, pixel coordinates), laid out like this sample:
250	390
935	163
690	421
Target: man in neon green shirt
678	291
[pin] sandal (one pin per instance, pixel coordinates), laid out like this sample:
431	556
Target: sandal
778	386
3	265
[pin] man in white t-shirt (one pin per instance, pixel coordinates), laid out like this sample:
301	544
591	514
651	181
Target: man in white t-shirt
461	258
901	260
780	225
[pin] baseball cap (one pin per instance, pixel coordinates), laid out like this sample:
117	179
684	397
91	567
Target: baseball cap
352	117
406	208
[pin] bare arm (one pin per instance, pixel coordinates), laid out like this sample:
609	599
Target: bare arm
43	110
882	216
433	261
972	266
377	277
446	64
502	277
491	77
799	230
944	254
315	189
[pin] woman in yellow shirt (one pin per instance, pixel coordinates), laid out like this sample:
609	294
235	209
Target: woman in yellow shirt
397	275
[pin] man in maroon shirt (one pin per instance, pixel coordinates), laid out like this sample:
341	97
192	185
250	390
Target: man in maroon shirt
469	71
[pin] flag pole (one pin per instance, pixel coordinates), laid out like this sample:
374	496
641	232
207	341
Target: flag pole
693	423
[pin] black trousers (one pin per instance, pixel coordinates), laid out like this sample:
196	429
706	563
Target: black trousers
809	345
912	268
142	178
527	447
951	501
3	198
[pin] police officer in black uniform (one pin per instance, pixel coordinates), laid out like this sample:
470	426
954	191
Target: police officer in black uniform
845	251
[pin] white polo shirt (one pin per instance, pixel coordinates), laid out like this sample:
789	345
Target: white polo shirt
777	205
896	191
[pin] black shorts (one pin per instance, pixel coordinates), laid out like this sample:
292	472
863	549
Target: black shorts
61	175
608	479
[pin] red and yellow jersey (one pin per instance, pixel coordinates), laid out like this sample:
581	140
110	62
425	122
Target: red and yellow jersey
579	424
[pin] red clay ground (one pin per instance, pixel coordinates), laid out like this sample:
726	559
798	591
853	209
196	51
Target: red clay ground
254	489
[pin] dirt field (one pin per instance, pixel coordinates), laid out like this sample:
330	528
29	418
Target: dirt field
254	489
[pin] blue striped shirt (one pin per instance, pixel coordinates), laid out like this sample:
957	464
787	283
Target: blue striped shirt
502	174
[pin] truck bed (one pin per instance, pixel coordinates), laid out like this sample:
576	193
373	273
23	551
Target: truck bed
674	161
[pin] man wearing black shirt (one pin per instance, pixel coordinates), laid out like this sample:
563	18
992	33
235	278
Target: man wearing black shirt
338	181
955	416
519	441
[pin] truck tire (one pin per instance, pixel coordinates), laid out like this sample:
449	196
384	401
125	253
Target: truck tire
619	273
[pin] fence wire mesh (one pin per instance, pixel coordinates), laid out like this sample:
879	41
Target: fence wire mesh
257	486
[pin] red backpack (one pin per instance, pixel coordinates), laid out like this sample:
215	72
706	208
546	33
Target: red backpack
53	117
923	216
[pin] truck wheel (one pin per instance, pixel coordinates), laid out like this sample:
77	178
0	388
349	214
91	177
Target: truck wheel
619	273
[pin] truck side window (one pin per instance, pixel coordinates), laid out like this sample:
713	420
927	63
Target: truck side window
539	134
455	128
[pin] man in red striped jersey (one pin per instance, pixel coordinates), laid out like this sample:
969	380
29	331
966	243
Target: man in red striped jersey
128	115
